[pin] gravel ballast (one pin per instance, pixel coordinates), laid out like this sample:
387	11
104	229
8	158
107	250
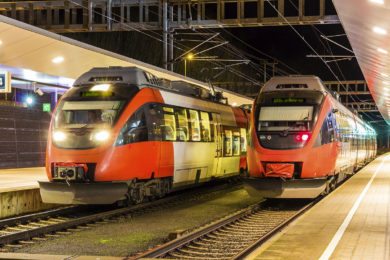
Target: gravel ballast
132	234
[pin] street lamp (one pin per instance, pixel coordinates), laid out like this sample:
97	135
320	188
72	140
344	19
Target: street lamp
188	57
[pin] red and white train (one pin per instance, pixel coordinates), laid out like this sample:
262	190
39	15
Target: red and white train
303	141
119	134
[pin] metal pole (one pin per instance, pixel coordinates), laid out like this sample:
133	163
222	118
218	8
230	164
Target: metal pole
185	67
90	15
109	15
165	33
171	31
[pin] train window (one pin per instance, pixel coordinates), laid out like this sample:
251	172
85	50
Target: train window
77	114
280	118
135	130
168	127
236	143
154	117
195	125
227	143
243	140
205	126
182	128
327	130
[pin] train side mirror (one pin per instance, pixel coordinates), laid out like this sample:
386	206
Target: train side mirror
335	110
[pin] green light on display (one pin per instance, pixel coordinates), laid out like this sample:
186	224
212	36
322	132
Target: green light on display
46	107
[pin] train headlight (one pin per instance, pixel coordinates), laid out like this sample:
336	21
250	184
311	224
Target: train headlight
59	136
102	136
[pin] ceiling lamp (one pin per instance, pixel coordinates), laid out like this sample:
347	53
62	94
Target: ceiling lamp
381	2
379	30
57	59
382	51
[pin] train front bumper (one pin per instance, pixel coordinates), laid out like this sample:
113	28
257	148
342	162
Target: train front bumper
288	188
83	193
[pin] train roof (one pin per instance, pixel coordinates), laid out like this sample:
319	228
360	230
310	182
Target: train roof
112	75
142	78
296	82
308	82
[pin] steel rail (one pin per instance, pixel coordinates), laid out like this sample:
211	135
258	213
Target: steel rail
95	217
165	249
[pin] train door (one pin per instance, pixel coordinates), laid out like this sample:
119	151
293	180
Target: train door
218	143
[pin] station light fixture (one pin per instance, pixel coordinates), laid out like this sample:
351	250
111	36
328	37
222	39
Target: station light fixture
1	42
382	50
379	30
381	2
58	60
384	74
234	104
29	100
190	56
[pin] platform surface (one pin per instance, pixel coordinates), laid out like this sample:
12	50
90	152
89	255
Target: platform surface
21	178
353	222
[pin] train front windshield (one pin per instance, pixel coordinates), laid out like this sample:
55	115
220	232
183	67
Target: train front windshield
79	114
285	119
86	114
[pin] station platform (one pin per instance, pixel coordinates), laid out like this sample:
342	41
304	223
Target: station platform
19	191
21	178
353	222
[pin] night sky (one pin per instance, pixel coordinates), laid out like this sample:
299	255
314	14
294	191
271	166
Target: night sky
284	44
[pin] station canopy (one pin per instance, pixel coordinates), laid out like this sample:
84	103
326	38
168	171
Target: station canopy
367	24
30	52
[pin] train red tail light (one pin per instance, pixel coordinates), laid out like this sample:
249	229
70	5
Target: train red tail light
302	137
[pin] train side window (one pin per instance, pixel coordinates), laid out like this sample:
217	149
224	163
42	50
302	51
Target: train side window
205	126
168	127
154	117
236	143
327	130
182	128
227	143
243	140
195	125
135	129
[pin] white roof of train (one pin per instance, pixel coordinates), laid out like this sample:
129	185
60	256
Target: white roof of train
305	83
28	47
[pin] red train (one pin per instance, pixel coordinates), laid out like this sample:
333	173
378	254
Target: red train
303	141
121	133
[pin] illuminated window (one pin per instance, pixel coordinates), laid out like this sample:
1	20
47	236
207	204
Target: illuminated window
236	143
205	126
243	140
195	125
168	128
182	129
227	143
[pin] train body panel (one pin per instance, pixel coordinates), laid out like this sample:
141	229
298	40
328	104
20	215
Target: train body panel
303	140
151	138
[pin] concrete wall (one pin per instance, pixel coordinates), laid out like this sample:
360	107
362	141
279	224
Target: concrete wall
22	201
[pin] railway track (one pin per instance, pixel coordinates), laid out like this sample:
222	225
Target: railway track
235	236
15	232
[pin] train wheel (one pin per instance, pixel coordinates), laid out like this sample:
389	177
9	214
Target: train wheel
136	193
330	186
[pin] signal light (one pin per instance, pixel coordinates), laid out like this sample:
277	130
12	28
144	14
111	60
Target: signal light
302	137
